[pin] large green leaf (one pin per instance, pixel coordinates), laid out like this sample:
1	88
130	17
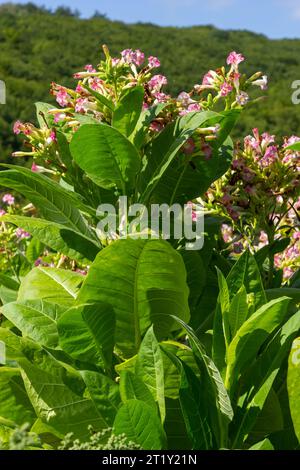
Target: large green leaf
175	426
107	157
36	319
195	410
170	176
55	203
86	333
104	392
132	387
221	330
144	281
252	334
14	403
217	399
293	383
141	425
51	284
58	237
57	395
128	110
238	311
245	272
262	376
149	368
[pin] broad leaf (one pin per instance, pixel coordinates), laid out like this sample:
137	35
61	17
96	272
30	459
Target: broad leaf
262	376
252	335
293	383
245	272
132	387
86	333
218	401
149	368
14	403
36	319
51	284
147	283
55	203
141	425
104	392
107	157
128	110
58	237
195	410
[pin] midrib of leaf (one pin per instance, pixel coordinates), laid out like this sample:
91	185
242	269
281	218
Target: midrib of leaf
138	336
116	162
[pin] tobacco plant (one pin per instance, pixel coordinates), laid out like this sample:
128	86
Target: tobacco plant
176	349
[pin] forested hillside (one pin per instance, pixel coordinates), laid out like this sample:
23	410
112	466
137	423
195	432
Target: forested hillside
38	46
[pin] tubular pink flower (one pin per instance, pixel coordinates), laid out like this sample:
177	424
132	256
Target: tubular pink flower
160	97
234	58
59	117
2	212
139	57
22	234
89	68
225	89
8	199
18	127
189	147
157	82
153	62
62	97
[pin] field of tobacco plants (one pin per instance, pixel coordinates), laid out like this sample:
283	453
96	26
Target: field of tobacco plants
114	335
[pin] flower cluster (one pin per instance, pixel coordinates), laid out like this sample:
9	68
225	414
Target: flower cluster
230	84
260	195
99	90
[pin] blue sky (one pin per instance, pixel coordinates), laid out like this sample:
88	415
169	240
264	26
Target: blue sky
275	18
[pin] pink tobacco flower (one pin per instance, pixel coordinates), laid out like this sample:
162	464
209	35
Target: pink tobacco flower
225	89
296	236
139	57
133	57
59	117
210	78
115	61
194	107
184	98
290	141
2	212
34	168
8	199
189	147
156	82
234	58
89	68
161	97
62	97
18	127
207	150
269	157
153	62
22	234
